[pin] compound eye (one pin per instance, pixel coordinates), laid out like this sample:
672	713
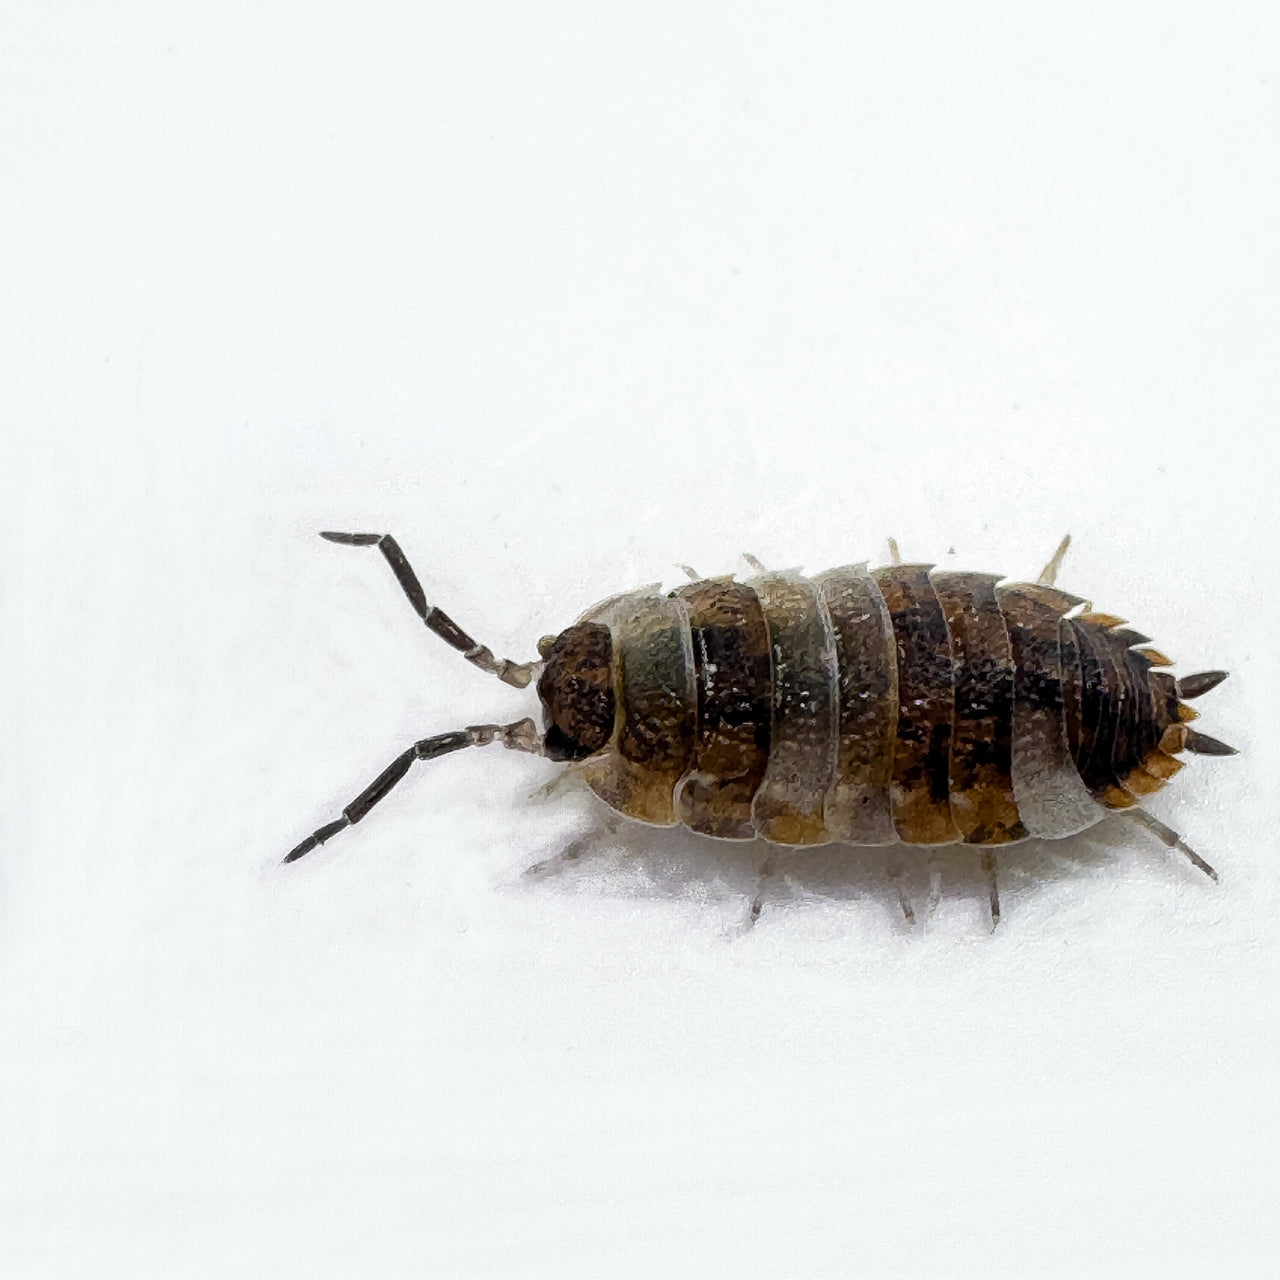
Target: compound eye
545	645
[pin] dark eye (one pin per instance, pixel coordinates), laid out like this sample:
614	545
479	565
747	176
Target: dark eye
559	746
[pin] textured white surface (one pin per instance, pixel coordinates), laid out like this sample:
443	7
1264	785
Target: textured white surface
565	299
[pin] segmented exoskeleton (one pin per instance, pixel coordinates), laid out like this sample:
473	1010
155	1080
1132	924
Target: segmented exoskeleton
905	705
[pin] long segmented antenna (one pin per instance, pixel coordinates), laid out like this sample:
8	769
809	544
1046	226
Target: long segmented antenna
514	673
520	736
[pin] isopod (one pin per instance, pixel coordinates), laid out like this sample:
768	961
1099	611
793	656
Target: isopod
904	705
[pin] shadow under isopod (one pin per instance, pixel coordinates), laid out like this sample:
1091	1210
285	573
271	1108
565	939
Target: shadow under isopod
613	858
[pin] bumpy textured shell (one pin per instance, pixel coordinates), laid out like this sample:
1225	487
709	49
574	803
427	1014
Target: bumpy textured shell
905	705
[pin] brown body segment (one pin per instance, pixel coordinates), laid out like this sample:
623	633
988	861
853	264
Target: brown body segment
858	807
982	799
1052	801
922	755
1129	763
1074	705
1158	762
652	748
1144	768
1104	696
788	807
731	738
1136	707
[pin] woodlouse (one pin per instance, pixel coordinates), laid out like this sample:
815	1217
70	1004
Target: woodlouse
905	705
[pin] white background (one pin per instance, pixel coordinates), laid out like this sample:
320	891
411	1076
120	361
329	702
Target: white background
565	296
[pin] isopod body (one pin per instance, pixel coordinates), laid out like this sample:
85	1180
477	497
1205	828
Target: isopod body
905	705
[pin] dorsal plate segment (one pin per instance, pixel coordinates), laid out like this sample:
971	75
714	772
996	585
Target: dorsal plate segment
788	808
652	747
920	790
983	806
857	807
1051	798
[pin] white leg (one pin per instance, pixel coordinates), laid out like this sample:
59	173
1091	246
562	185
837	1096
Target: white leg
893	866
993	888
768	869
567	775
1170	838
576	848
1049	574
935	889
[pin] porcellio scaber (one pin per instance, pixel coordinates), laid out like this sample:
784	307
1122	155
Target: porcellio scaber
906	705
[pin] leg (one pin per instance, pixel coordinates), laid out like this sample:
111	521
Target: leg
575	848
567	775
515	673
754	563
893	866
1049	574
520	736
993	889
895	556
767	870
692	574
1170	838
935	887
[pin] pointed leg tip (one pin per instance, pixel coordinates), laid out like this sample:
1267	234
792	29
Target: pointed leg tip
1197	861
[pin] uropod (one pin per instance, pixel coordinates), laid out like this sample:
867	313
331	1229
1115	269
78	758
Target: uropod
906	705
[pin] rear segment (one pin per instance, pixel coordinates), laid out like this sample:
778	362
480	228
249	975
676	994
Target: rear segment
1137	722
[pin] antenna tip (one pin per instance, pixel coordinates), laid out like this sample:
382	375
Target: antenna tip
294	854
352	539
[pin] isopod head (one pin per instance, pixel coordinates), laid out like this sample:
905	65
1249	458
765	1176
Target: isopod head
576	688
